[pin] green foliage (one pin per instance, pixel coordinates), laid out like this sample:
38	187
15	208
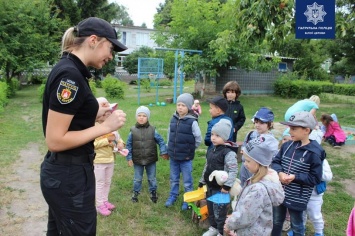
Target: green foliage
13	86
92	85
37	79
3	95
30	35
289	86
130	63
98	83
145	83
113	87
40	92
165	82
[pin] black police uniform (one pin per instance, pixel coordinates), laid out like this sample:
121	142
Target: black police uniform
67	178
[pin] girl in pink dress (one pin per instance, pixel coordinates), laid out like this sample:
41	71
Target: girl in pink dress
334	135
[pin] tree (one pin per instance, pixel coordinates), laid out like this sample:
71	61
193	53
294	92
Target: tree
29	35
130	63
76	11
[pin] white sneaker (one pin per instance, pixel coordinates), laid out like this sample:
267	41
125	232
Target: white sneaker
211	232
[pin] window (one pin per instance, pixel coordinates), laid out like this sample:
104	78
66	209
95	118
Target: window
283	67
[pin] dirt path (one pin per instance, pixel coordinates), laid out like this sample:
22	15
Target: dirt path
27	212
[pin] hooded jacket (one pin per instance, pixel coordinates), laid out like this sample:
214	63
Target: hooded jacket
305	162
253	212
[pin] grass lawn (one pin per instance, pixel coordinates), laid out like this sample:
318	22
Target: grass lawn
20	124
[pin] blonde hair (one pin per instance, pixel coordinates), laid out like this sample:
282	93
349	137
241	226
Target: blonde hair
262	171
70	41
315	99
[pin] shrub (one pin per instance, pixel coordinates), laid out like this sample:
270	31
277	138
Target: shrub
37	79
165	82
3	95
113	87
92	85
41	92
13	86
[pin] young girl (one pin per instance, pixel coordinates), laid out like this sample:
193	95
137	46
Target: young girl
263	122
231	92
104	162
334	135
196	107
253	212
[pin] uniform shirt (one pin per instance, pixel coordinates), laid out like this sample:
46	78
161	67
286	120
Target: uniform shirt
67	91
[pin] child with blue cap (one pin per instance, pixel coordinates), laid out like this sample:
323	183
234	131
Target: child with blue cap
263	123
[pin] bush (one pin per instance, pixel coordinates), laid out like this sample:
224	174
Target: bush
41	92
13	86
92	85
285	87
37	79
113	87
3	95
165	82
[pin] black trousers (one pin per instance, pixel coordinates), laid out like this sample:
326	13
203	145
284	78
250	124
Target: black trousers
217	213
68	186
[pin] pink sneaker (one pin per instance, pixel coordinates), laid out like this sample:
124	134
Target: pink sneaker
109	206
103	210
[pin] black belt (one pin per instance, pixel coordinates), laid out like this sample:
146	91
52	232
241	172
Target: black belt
67	159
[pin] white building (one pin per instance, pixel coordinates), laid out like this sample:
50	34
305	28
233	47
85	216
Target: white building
133	37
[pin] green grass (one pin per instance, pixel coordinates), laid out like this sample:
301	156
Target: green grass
20	125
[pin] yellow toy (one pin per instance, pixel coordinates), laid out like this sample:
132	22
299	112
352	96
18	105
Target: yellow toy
192	197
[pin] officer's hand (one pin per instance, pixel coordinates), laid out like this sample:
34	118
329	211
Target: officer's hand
115	121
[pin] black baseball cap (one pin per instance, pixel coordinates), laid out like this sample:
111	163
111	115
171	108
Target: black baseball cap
220	102
100	28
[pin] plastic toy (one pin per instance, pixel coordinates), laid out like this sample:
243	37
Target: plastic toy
192	197
162	104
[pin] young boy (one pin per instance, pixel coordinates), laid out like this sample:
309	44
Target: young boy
299	166
231	92
221	157
143	154
218	106
184	136
263	123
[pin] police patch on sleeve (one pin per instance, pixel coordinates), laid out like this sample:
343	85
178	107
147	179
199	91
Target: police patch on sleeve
67	90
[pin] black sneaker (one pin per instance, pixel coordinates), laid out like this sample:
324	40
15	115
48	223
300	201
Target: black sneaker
153	196
135	196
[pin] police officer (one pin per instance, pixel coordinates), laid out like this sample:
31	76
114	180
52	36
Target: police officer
68	117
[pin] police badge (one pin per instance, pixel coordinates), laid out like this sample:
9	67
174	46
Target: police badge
66	91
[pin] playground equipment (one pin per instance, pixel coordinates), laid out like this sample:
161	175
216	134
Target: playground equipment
192	197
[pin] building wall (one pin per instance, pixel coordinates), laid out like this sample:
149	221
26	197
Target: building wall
252	82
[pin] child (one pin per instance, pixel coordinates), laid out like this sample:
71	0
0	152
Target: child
299	166
286	136
314	206
104	163
263	122
334	135
143	154
218	106
221	157
253	212
231	92
311	105
184	136
196	107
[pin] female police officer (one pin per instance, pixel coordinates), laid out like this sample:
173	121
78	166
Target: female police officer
69	113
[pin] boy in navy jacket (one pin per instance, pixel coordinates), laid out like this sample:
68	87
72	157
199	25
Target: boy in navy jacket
299	166
218	106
